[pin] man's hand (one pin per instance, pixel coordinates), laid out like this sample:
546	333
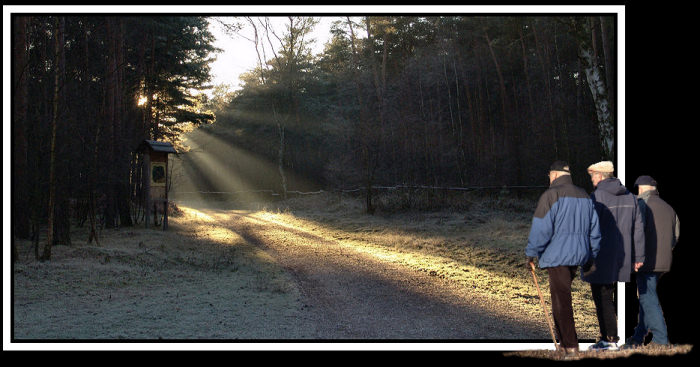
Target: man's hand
530	262
637	266
589	267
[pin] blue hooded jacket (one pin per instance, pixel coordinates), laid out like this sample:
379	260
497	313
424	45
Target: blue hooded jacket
564	228
623	233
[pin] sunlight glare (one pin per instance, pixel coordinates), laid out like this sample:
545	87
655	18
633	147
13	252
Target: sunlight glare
196	214
205	225
214	165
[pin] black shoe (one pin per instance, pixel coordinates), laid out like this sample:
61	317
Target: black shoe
602	345
631	343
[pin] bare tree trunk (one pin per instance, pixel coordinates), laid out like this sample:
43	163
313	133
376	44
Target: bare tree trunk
563	118
20	212
110	115
510	145
608	63
527	80
481	114
91	194
60	24
151	126
280	158
364	144
596	84
460	142
545	73
379	83
122	130
501	82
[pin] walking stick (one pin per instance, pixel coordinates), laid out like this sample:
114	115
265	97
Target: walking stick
546	314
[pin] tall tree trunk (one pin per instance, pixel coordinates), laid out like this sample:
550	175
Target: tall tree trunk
91	162
460	142
502	86
596	84
483	128
20	216
544	64
110	113
562	117
379	83
125	134
608	63
280	159
60	24
366	157
92	212
452	118
527	81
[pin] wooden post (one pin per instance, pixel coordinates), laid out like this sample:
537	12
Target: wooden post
147	186
165	203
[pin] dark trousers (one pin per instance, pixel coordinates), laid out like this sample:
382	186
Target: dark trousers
560	279
604	297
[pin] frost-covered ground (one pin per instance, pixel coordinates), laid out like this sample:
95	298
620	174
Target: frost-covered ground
191	282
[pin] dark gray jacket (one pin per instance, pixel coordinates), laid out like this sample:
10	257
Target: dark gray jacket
661	231
622	233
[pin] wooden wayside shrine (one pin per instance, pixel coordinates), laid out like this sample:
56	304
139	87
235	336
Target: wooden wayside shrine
155	178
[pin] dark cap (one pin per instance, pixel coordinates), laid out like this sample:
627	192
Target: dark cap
645	180
559	166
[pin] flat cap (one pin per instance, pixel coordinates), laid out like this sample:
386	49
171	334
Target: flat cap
604	166
645	180
559	166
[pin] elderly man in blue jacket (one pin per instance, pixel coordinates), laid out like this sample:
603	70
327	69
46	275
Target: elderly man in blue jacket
621	247
564	235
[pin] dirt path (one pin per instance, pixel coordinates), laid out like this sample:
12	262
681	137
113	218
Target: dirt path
352	294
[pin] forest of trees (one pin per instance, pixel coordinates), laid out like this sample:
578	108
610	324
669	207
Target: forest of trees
430	101
438	101
86	91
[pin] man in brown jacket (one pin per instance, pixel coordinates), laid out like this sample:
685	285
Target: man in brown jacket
662	230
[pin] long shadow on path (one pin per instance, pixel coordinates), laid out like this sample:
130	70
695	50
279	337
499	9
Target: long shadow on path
354	296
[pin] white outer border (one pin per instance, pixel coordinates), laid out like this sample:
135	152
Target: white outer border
621	151
316	9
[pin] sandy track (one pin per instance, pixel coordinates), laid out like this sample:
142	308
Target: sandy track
351	294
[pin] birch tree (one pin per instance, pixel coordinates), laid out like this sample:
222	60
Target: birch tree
595	77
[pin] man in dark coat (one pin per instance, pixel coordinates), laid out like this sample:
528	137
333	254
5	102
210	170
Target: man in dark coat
564	235
662	230
621	248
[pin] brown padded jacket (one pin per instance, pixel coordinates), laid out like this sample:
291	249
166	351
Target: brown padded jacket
661	231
